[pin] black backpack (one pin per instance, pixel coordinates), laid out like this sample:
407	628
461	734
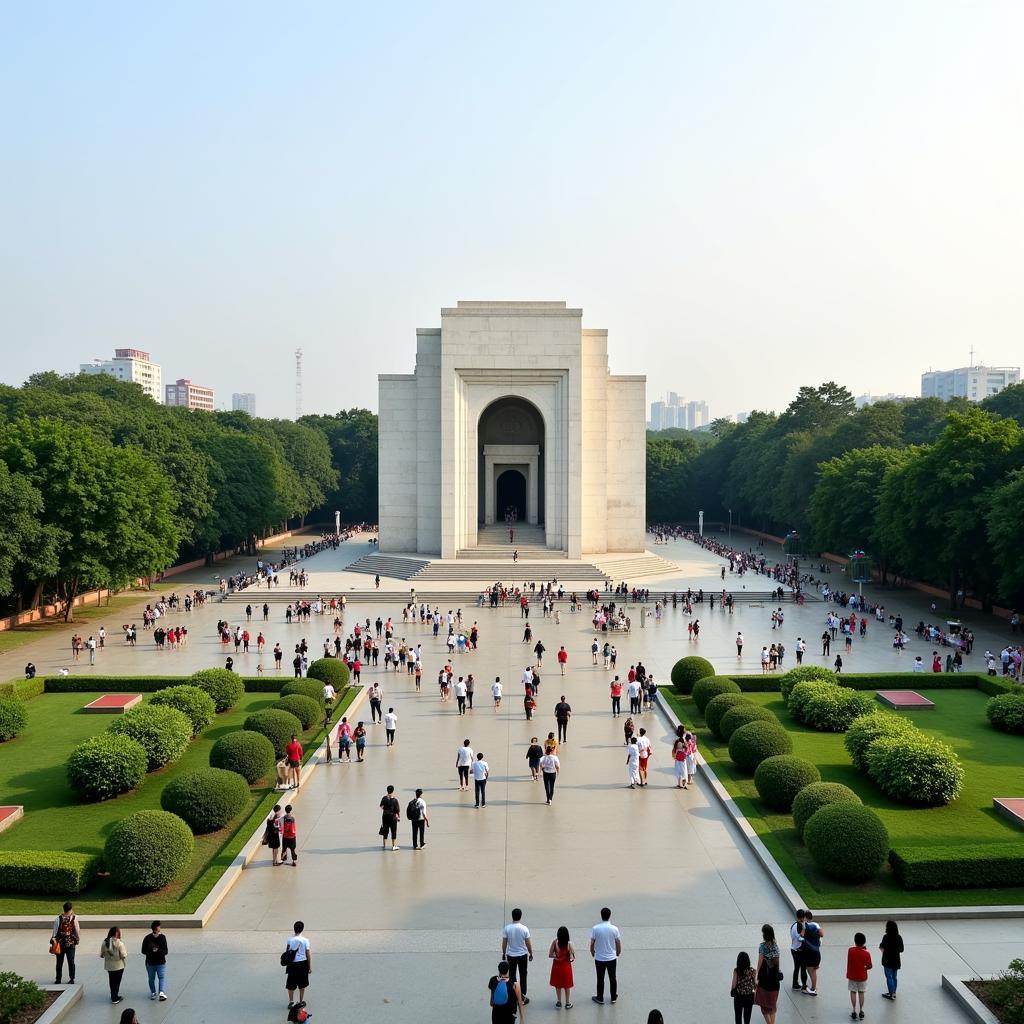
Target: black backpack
412	812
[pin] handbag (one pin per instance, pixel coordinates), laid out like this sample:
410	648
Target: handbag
55	946
288	956
382	831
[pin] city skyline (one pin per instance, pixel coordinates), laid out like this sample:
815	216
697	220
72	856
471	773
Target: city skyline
748	198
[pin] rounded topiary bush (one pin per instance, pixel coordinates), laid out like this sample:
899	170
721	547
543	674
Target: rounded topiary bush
163	732
865	730
804	674
13	718
278	726
916	769
828	708
718	706
250	754
847	841
329	670
304	708
307	688
743	714
192	701
817	795
1005	712
687	671
226	688
206	799
105	766
147	850
711	686
779	778
750	744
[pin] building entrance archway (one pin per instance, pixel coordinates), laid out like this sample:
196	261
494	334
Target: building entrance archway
510	496
510	436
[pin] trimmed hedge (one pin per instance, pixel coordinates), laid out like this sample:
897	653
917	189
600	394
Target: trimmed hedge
206	799
743	714
711	686
250	754
129	684
304	708
817	795
329	670
847	842
780	778
689	670
750	744
307	688
24	689
993	865
804	674
826	707
191	701
225	687
13	718
147	850
1005	712
50	872
164	733
105	766
865	730
718	706
278	726
916	769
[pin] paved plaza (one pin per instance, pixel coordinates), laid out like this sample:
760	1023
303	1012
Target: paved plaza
413	936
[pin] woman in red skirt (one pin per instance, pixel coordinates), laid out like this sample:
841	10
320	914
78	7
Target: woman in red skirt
562	953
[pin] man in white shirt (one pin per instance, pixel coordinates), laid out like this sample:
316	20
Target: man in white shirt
496	692
633	693
517	949
460	695
416	812
480	773
390	725
605	948
796	944
301	966
463	762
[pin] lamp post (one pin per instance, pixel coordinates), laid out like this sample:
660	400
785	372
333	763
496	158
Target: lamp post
700	521
730	525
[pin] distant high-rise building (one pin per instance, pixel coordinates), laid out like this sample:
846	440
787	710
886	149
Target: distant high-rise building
191	396
742	417
971	382
675	411
244	401
131	364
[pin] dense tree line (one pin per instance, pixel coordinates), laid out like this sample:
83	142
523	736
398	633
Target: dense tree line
100	485
932	490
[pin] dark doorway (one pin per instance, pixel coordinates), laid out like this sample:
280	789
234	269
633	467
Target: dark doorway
510	493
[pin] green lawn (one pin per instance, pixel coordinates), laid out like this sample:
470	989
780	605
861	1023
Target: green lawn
32	773
993	766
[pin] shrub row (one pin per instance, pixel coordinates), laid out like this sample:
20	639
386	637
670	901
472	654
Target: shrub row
225	687
804	674
780	778
812	798
25	689
750	744
105	766
13	718
47	871
990	685
827	707
334	671
1005	712
743	714
709	687
688	671
250	754
959	867
132	684
278	727
718	706
306	688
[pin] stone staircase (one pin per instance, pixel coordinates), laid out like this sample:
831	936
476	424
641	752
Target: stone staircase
484	571
635	567
399	567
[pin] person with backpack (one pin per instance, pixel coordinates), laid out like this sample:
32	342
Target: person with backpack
506	999
297	959
766	995
64	940
289	836
416	812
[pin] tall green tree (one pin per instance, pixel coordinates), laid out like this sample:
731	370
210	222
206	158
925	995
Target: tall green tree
1005	519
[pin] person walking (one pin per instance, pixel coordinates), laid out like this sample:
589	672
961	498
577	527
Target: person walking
562	956
744	983
298	961
892	949
766	995
810	952
272	835
115	957
376	696
739	645
469	690
390	725
533	755
154	949
517	950
615	691
633	763
563	659
64	941
390	812
858	963
550	766
289	836
416	812
344	741
605	948
679	745
506	1000
359	735
463	764
496	692
294	752
480	773
563	712
460	695
644	750
633	693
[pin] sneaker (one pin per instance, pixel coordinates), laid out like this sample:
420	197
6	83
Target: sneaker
887	995
598	1000
810	991
152	995
394	847
163	997
614	998
861	1015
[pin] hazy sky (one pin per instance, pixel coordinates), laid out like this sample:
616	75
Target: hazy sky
749	196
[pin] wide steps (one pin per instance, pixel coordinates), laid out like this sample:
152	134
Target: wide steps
505	571
399	567
622	567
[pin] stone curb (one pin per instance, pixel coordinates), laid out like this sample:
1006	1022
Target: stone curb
63	1004
205	911
975	1009
796	901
